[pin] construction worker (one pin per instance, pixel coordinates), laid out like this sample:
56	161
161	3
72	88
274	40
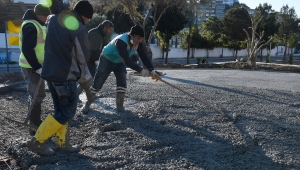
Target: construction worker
32	41
66	53
96	38
114	57
57	6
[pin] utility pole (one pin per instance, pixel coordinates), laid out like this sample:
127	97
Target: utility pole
6	44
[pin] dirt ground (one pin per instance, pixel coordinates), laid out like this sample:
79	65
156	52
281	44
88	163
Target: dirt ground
165	129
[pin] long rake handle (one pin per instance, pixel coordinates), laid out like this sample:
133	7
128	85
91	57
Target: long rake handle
201	101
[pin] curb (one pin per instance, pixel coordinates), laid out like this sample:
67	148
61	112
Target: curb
7	87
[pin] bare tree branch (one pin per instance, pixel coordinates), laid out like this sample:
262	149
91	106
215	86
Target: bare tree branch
256	42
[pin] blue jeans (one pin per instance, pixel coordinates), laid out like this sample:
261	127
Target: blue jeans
92	67
64	96
103	70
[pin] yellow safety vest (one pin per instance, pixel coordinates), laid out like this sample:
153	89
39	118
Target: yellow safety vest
39	48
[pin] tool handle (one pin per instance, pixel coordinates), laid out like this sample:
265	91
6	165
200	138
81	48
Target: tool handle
203	102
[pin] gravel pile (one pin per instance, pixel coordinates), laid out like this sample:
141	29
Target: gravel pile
165	129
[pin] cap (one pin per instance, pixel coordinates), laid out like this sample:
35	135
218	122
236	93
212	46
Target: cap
136	31
41	9
84	8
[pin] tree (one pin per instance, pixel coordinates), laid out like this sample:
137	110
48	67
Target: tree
287	18
293	41
150	8
211	33
122	22
170	24
255	42
235	4
197	40
192	11
212	27
268	23
234	21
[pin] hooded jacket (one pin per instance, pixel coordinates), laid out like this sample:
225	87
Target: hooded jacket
29	40
66	48
96	39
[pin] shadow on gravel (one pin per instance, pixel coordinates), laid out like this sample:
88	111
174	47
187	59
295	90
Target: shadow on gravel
277	131
222	88
200	146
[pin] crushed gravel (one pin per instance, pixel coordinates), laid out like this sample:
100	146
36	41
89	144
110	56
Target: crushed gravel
165	129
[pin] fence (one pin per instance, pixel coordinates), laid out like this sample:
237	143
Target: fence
3	58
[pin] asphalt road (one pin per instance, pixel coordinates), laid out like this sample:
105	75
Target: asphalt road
15	67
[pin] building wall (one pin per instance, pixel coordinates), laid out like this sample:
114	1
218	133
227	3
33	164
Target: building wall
215	53
212	8
173	53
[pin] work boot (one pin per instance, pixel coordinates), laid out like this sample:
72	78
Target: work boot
47	128
40	148
85	109
63	140
120	101
86	87
35	118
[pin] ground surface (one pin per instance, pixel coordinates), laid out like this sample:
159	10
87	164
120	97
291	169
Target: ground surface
166	129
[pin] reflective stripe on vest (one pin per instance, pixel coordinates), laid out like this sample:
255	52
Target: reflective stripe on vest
39	48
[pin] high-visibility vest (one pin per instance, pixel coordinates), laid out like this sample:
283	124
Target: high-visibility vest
39	48
112	54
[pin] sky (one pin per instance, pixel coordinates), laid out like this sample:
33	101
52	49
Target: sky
276	4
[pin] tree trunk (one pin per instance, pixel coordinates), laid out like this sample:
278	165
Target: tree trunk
149	53
252	62
207	53
261	56
235	54
284	55
167	53
254	45
193	52
222	52
188	50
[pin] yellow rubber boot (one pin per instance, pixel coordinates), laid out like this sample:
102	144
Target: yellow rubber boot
63	140
47	128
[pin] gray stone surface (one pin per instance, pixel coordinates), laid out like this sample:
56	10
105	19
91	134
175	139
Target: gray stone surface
165	129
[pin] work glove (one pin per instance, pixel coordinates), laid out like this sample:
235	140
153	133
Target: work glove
145	73
154	75
86	87
39	71
96	63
